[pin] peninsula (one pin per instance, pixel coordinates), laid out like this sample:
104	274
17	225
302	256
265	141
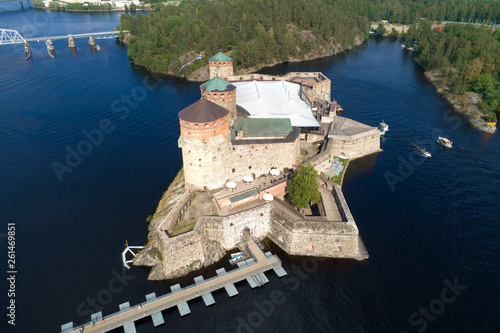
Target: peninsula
242	143
462	63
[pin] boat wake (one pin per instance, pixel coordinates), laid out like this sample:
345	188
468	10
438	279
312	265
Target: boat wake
475	158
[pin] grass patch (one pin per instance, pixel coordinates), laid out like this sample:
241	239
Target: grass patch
338	179
182	228
159	255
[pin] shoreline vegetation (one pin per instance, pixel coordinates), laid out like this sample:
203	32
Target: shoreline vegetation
461	61
89	7
463	64
262	35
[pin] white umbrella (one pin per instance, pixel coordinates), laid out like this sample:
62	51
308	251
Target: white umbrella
247	179
231	185
268	197
274	172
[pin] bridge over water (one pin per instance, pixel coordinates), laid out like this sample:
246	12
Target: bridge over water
8	36
251	270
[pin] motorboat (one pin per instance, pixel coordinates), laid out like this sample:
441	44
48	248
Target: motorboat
50	48
445	142
424	152
383	127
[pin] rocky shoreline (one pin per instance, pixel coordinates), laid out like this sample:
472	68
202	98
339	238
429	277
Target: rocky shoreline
201	74
465	105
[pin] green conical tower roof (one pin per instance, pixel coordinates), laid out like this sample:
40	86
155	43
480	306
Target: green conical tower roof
217	84
220	57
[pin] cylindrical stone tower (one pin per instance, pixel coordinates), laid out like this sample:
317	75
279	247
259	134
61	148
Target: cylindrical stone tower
222	93
205	140
220	64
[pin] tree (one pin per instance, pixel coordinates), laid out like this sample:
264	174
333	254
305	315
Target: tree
303	187
380	31
473	69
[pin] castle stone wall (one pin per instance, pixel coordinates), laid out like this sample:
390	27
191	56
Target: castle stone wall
181	254
258	159
357	148
256	219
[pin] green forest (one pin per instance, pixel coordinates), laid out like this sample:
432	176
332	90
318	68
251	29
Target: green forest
468	55
266	31
256	32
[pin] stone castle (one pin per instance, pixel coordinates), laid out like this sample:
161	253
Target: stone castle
242	128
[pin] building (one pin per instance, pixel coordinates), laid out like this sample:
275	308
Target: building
232	138
221	65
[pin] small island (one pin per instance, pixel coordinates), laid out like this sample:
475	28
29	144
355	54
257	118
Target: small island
260	160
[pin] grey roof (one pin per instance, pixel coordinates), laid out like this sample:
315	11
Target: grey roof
348	129
203	111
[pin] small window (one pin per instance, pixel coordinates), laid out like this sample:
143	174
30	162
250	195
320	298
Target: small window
250	167
234	170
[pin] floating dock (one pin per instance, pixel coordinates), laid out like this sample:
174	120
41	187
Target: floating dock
251	270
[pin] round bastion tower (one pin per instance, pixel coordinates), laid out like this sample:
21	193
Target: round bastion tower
205	140
220	64
222	93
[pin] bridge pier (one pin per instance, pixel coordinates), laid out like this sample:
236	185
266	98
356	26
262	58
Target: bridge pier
21	2
27	50
71	43
91	41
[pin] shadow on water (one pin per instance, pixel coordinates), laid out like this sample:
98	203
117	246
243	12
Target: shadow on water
290	262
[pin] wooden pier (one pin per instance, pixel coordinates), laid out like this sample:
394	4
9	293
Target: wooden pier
251	270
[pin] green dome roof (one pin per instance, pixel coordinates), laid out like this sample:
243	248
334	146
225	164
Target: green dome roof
220	57
217	84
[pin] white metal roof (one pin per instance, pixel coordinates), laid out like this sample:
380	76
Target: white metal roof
274	99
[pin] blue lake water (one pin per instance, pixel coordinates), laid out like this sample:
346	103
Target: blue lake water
435	226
